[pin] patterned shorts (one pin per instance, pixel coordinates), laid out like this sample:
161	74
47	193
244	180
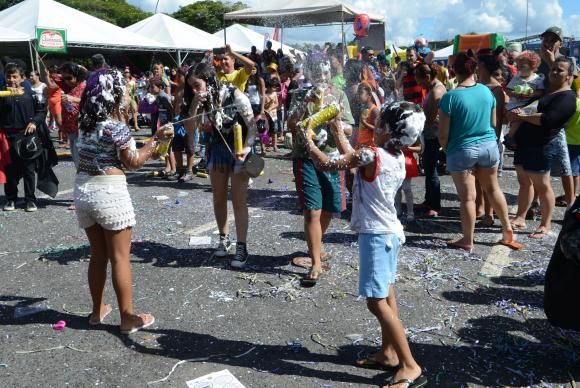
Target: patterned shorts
103	200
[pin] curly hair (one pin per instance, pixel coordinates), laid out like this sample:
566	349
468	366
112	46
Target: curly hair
103	93
531	57
404	121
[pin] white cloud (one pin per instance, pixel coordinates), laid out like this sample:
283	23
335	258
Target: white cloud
437	20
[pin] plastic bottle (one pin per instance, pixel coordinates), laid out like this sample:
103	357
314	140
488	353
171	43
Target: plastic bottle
321	117
238	141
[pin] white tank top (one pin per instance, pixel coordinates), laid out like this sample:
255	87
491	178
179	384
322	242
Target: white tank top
253	94
373	204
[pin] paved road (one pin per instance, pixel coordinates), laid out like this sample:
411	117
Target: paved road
473	320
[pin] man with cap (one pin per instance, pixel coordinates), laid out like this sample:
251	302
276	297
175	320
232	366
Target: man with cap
549	51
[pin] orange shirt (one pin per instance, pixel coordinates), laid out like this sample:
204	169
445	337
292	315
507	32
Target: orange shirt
366	129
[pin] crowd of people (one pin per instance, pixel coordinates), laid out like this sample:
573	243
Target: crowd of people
357	125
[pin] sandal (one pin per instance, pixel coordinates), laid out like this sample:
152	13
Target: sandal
511	244
108	309
370	362
306	261
311	278
539	234
561	202
517	227
146	319
408	383
486	221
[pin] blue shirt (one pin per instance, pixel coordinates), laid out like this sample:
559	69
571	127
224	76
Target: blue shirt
470	110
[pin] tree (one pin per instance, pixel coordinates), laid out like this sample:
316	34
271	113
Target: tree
207	15
118	12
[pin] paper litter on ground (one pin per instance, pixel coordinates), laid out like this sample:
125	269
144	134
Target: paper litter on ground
199	240
221	379
161	197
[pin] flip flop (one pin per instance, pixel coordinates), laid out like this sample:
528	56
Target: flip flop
306	261
311	278
455	245
511	244
518	226
561	202
371	362
108	310
539	234
144	325
408	383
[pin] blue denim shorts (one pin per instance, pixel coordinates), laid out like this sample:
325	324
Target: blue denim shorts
560	160
484	155
574	152
551	158
378	264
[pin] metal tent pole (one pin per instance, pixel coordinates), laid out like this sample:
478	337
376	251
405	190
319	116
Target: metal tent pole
179	57
225	33
31	55
344	48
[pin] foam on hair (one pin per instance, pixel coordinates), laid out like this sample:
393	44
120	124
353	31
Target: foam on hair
404	121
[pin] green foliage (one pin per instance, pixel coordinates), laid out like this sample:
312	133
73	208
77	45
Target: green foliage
207	15
118	12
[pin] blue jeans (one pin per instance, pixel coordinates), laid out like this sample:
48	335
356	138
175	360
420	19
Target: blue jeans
432	186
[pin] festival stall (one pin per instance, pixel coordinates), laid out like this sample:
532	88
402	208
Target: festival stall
245	38
179	36
54	27
443	54
294	13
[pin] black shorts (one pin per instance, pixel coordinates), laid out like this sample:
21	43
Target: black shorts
181	144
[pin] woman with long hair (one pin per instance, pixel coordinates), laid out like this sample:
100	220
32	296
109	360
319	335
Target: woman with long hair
217	108
103	204
467	118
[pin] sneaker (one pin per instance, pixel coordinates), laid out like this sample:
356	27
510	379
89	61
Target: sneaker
9	206
410	217
224	246
185	177
241	257
30	206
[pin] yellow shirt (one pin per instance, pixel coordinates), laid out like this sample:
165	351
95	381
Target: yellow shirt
573	127
238	78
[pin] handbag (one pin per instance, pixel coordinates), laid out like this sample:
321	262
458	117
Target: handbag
28	147
252	166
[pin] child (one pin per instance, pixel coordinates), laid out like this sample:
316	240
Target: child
368	116
411	171
380	172
270	108
532	85
163	116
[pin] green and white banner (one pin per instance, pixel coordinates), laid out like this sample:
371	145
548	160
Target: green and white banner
50	40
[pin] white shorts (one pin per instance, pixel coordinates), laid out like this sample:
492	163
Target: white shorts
103	200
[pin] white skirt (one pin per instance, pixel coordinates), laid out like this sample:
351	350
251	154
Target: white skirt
103	200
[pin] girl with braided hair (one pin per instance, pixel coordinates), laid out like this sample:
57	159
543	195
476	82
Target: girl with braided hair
380	171
103	205
217	108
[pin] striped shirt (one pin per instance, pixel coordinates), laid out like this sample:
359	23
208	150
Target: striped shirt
99	149
412	92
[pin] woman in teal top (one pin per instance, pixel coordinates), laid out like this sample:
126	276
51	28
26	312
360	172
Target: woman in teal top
467	117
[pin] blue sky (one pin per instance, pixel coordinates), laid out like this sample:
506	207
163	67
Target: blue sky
437	20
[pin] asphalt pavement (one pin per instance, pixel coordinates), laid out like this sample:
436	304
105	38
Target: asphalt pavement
472	319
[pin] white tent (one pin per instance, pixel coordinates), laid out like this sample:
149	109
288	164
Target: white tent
246	38
286	13
175	34
82	30
9	35
443	54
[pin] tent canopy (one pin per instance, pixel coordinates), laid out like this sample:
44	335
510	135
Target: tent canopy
287	13
244	37
443	54
82	30
173	33
9	35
